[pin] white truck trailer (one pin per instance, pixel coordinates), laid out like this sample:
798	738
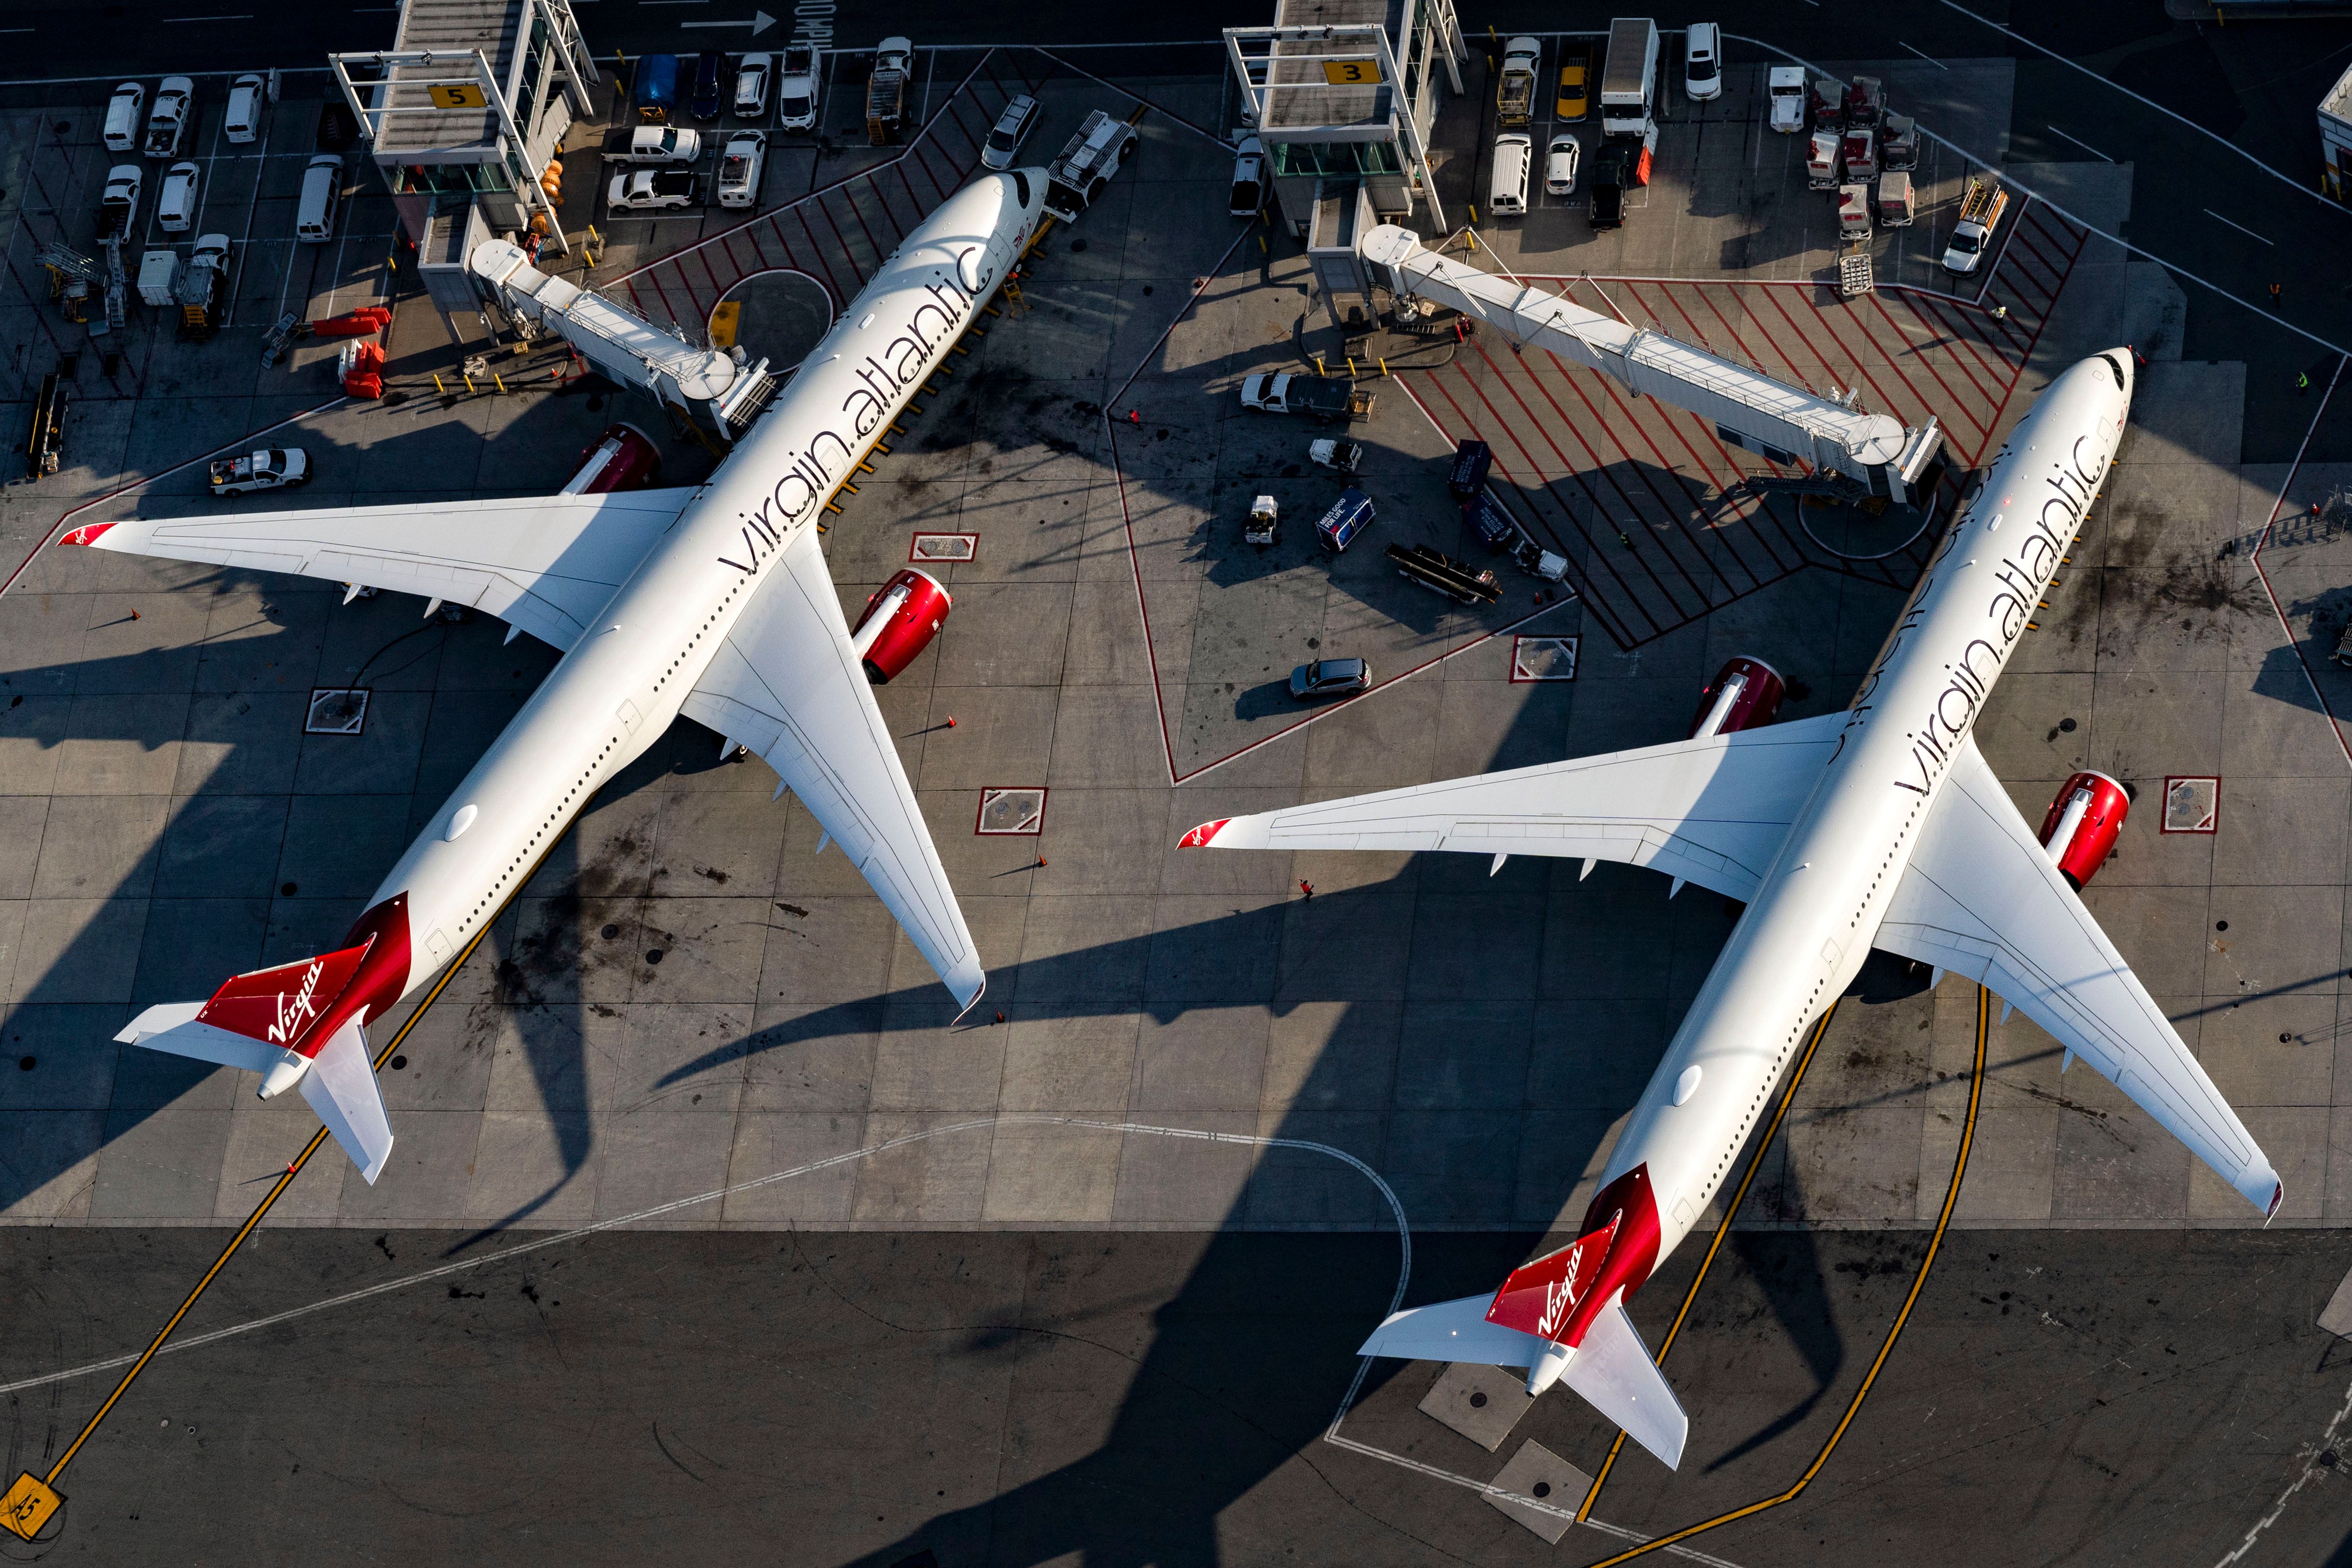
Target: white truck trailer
1629	79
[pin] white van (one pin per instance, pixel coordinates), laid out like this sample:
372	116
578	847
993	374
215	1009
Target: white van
242	121
322	191
123	121
1513	153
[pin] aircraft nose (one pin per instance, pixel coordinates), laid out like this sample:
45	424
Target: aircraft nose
2125	360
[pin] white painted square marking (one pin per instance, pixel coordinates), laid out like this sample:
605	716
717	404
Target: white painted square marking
2191	805
1537	659
1018	811
336	710
943	546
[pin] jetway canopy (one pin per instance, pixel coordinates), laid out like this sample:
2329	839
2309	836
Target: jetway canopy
1768	416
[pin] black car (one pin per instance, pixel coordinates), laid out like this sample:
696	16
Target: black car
1608	188
1329	678
709	70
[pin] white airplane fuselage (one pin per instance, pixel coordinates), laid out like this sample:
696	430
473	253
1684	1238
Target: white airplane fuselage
619	688
1806	933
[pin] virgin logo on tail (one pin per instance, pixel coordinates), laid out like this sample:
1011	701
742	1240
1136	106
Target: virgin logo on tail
304	1007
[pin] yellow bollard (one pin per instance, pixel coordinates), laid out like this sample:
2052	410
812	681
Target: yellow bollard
1351	365
1384	366
1473	218
469	382
438	387
501	385
1319	366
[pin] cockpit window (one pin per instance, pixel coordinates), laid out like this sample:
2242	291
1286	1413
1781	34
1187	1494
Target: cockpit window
1021	186
2115	369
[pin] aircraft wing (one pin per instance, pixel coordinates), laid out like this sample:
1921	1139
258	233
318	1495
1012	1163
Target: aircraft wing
1982	898
787	683
544	563
1712	811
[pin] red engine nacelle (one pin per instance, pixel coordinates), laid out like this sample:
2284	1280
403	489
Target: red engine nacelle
1744	694
623	458
899	623
2080	830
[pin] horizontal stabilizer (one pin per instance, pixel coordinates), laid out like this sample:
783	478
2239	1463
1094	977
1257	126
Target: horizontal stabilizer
171	1027
1453	1331
342	1087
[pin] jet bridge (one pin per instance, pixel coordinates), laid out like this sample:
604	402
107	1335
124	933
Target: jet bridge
1787	424
718	394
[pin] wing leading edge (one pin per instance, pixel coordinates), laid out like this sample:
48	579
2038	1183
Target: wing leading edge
1982	899
1712	811
787	683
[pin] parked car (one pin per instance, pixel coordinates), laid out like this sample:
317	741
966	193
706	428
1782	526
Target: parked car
651	191
746	154
1702	62
662	144
118	204
707	94
123	120
754	77
1605	193
321	193
241	120
1329	678
796	89
167	120
175	204
272	468
1559	164
1249	179
895	54
1011	127
1575	82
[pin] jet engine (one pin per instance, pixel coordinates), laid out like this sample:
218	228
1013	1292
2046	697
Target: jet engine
899	623
2080	830
623	458
1744	694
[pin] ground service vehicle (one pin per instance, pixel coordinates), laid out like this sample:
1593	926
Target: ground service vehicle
1264	525
123	118
1702	62
1559	164
657	89
796	89
661	144
1629	79
1824	104
1858	151
1896	209
1088	160
1339	456
1605	201
271	468
1012	128
321	193
651	191
1981	205
1490	521
1324	398
203	287
1853	212
1249	179
740	167
1865	100
167	121
1514	88
176	202
1822	160
118	204
754	77
886	92
1350	514
241	120
1575	82
1785	89
709	72
1329	678
1466	475
1898	141
1453	578
1506	194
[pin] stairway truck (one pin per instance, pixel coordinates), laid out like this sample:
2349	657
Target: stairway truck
1981	205
885	105
1515	88
1082	171
1629	80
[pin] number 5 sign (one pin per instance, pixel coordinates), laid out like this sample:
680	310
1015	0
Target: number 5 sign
458	95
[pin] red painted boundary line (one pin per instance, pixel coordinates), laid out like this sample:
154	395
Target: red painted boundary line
2333	724
164	472
1081	70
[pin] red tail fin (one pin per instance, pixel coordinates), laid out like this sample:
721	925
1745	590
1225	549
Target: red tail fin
284	1006
1558	1295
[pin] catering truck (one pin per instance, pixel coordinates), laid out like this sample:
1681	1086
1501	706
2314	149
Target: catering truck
1514	89
1629	80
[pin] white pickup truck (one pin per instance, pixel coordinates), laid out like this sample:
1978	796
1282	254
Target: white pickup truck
272	468
659	144
1981	205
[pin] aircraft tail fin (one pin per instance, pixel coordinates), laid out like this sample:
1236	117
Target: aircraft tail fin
1611	1371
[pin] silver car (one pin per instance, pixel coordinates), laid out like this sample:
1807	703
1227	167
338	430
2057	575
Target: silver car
753	78
1012	128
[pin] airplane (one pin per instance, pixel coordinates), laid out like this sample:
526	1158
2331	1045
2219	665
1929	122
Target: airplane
1881	827
712	602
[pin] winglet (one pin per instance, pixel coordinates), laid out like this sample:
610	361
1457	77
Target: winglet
85	535
1198	839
